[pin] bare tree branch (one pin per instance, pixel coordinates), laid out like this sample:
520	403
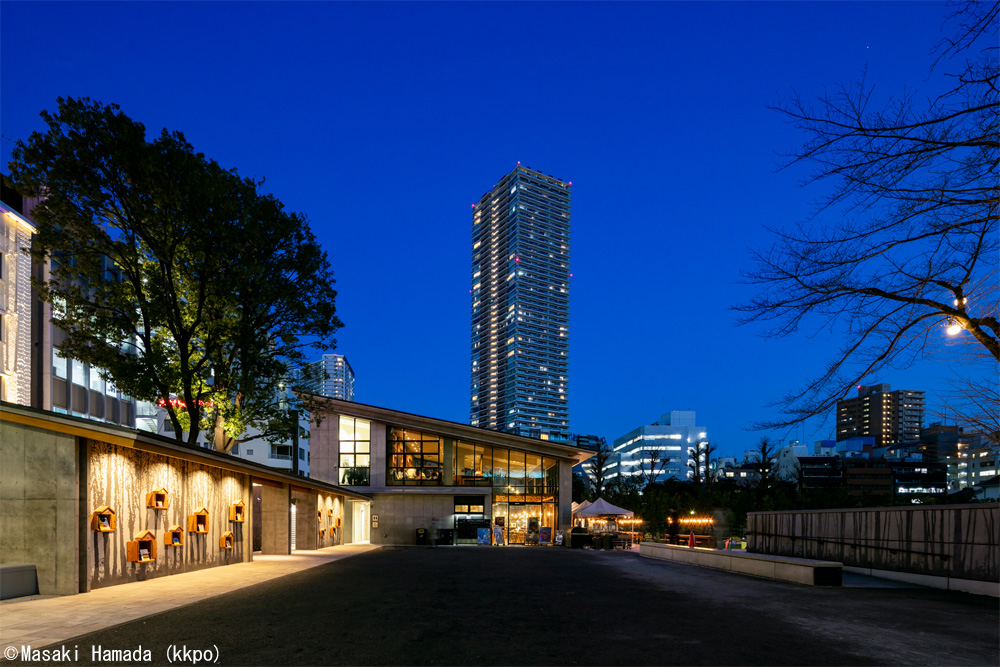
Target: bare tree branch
906	242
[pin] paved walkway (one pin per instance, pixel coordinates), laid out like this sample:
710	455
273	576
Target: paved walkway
42	620
537	606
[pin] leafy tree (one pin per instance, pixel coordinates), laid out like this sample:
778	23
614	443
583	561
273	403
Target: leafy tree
655	507
906	241
179	279
624	491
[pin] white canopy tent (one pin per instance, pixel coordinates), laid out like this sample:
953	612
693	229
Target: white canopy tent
600	516
602	508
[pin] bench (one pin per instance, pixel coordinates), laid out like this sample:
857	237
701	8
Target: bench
18	580
779	568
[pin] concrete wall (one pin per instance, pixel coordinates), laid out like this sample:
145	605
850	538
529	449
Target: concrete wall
323	459
275	518
959	541
120	477
39	505
400	514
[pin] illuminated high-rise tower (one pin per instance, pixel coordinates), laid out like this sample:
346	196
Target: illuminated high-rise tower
331	376
520	306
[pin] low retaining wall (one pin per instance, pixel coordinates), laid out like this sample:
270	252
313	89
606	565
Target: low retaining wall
944	583
953	541
795	570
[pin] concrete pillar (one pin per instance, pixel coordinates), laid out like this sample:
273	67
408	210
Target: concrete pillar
306	517
565	511
275	518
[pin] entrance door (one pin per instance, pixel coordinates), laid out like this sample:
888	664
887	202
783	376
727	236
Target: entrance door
257	520
360	532
523	523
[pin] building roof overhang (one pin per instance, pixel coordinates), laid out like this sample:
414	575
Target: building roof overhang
18	218
157	444
449	428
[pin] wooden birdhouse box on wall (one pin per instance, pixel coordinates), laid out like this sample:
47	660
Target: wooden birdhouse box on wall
237	512
158	499
103	520
226	541
198	522
142	549
174	537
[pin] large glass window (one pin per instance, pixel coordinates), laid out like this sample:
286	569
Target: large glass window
534	479
472	464
79	373
531	523
516	483
96	383
551	475
500	467
414	458
58	364
525	497
355	451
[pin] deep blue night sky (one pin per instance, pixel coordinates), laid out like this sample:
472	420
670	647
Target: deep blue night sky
384	122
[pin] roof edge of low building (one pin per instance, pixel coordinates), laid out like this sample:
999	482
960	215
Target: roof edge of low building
147	441
456	429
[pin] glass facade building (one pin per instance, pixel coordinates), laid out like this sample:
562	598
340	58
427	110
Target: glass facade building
477	485
520	487
520	306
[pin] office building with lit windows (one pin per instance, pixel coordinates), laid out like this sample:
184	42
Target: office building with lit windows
520	306
891	417
661	450
32	371
16	232
330	376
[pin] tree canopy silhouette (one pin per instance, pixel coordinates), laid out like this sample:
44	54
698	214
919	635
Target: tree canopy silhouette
179	279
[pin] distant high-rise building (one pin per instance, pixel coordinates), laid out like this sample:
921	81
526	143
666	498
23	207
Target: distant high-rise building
891	417
661	450
330	376
520	306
